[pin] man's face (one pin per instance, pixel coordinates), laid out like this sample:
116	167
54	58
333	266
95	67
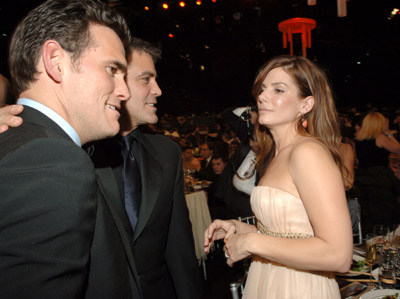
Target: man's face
205	152
218	165
141	79
95	86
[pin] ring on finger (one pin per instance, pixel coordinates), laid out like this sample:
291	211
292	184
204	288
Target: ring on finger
226	254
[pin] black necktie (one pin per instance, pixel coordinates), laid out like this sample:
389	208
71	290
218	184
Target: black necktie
132	180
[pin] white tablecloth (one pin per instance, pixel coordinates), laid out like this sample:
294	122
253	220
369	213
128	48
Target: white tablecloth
200	217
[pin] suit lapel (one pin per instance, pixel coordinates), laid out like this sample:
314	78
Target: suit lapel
109	189
113	198
151	174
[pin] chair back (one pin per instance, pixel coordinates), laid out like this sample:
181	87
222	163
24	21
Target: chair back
237	287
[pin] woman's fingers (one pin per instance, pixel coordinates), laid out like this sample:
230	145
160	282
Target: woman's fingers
217	230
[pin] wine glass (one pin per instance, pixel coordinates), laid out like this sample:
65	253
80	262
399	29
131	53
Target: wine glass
371	258
395	242
382	234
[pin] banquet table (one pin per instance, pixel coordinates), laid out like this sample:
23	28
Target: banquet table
355	286
200	217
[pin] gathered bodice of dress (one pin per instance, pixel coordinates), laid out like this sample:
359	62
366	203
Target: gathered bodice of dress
283	215
280	211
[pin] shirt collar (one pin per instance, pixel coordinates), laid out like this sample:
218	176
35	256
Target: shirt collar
54	116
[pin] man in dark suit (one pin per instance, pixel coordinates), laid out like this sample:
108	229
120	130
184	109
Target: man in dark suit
162	239
60	237
206	151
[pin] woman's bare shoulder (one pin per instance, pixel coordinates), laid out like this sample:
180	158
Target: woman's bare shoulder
309	149
308	143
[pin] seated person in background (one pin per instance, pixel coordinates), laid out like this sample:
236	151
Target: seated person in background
218	164
216	205
189	162
206	172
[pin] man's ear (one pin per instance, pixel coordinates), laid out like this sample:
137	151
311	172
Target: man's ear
308	104
53	54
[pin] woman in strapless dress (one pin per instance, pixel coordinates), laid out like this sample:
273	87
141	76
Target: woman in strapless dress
303	232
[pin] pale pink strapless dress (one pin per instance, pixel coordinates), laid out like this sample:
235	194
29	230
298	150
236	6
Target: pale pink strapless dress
283	213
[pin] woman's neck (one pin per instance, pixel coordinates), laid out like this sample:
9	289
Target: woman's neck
284	137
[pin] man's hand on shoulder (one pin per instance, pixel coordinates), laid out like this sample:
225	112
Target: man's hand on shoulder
9	118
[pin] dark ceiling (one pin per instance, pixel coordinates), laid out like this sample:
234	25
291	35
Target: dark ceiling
217	47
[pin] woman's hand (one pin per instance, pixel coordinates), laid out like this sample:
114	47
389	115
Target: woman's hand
217	230
236	247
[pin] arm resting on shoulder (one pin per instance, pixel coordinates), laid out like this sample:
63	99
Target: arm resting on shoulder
8	117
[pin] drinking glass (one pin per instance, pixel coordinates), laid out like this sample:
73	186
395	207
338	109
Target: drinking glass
371	257
387	271
382	234
396	236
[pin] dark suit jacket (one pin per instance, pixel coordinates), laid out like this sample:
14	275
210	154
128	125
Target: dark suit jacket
162	242
206	173
58	237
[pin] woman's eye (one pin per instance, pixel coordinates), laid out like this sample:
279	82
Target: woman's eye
277	90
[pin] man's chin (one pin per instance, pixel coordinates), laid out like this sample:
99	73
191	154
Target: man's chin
153	120
114	129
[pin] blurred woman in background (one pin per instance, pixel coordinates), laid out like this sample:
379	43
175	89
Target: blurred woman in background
377	187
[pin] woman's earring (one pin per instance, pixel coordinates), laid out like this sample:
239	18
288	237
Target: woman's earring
304	122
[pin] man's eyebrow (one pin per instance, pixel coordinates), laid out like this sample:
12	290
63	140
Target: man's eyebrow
119	65
147	73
